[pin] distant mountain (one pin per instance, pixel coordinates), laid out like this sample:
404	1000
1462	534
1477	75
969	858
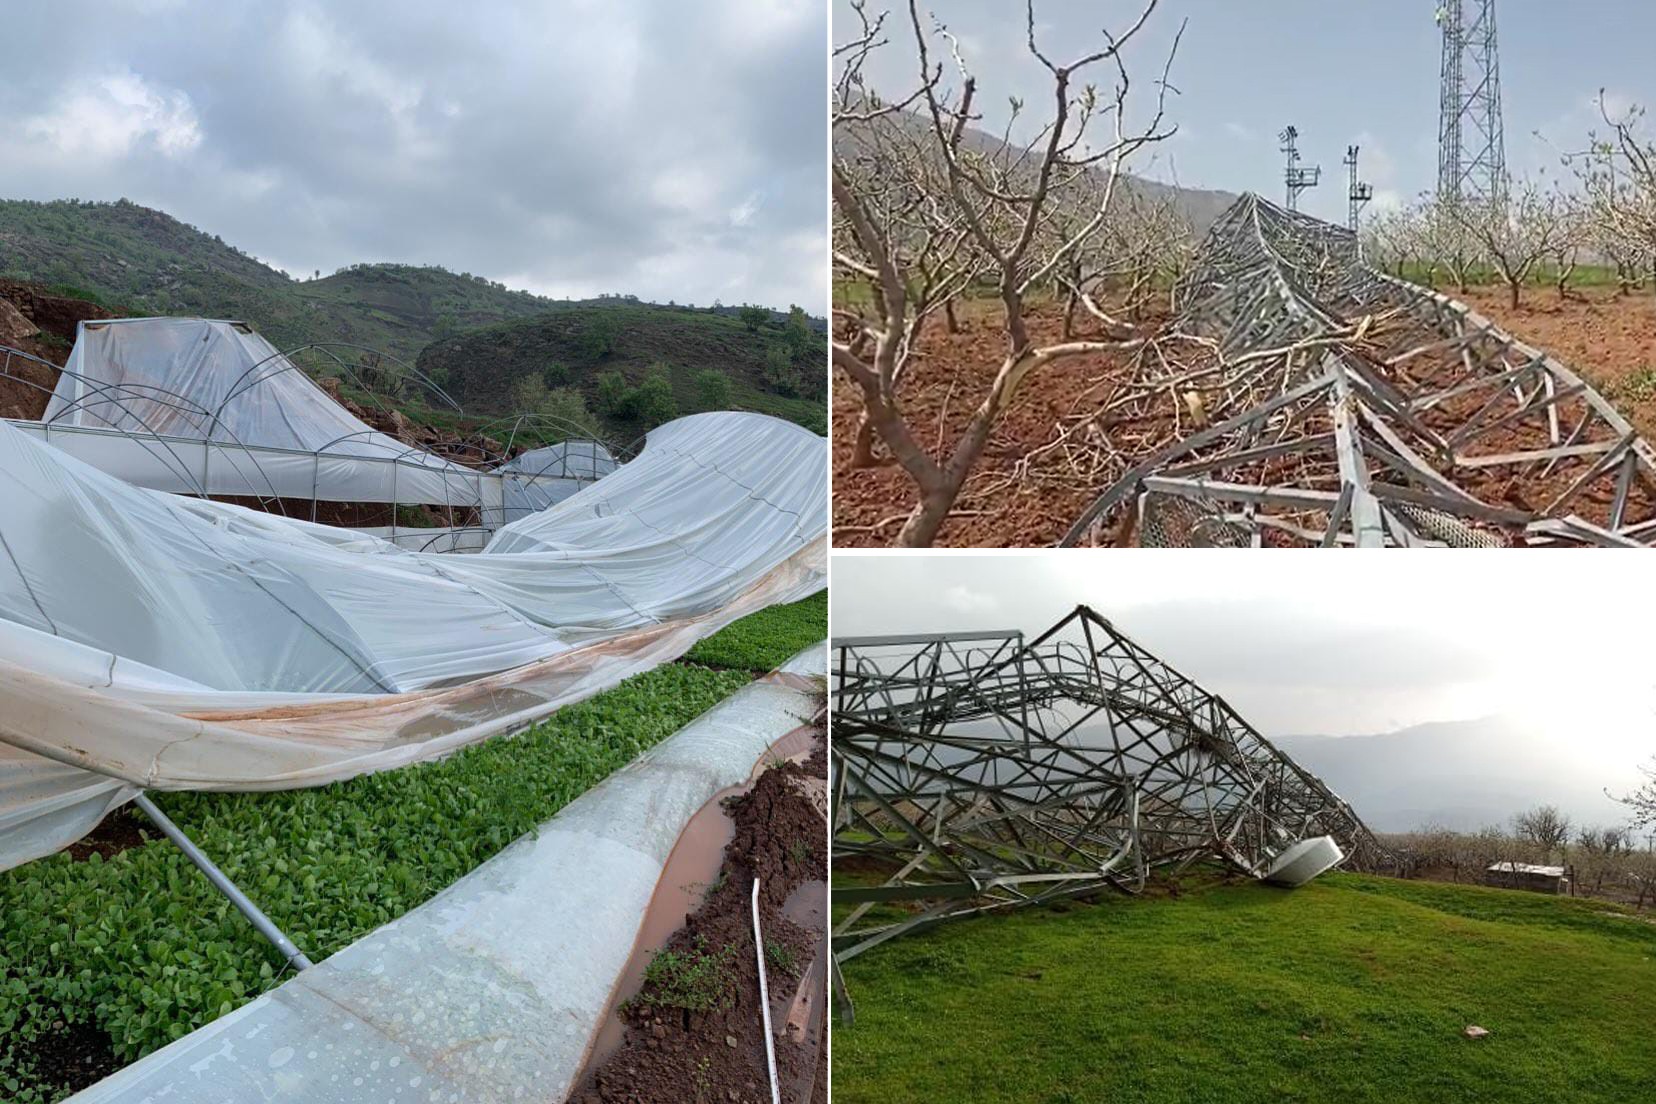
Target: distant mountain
1460	774
1201	207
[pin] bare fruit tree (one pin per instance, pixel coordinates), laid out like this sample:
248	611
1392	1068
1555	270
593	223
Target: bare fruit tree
1515	235
1543	826
1642	801
925	211
1617	172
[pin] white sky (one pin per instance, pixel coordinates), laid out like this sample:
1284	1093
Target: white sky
1344	644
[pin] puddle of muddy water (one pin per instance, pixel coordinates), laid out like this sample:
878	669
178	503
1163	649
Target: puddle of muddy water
689	873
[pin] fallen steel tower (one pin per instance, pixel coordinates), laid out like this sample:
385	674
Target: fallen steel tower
1302	397
975	772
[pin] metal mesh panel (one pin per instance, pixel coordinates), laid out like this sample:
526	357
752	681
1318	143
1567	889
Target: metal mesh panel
1446	528
1173	521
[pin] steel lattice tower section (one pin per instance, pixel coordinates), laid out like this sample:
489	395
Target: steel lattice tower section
1296	178
980	772
1358	192
1471	134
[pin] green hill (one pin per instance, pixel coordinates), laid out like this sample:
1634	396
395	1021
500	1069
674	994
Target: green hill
576	345
140	261
1349	990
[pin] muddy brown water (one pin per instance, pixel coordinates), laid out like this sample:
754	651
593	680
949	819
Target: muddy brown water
690	871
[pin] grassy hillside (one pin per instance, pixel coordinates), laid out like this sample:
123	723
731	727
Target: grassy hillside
140	261
1351	989
482	367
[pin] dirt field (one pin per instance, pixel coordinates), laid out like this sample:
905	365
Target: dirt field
1026	490
1610	341
1009	501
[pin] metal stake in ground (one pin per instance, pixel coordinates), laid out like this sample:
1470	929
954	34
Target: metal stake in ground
296	958
764	997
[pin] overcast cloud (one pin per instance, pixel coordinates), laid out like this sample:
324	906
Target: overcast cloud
1333	645
667	150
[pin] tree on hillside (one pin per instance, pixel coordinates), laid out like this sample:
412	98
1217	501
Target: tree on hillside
919	213
1543	826
528	394
753	317
612	393
713	389
651	402
599	335
556	374
569	408
779	370
801	341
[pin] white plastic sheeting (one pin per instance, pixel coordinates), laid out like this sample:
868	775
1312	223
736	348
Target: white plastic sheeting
178	643
542	477
203	379
493	990
193	405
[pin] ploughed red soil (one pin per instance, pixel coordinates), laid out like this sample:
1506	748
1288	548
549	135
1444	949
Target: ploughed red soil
1607	339
1011	499
693	1030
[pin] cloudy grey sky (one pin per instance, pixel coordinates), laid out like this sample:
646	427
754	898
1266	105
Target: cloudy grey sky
1363	71
663	149
1331	645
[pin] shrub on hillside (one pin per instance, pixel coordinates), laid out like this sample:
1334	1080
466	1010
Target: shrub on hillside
713	389
651	402
612	394
753	317
598	336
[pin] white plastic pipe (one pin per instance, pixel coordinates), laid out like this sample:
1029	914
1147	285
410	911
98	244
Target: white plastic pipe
764	997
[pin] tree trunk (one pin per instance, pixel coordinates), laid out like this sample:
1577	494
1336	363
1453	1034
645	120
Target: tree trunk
950	322
920	530
1512	289
862	445
1069	316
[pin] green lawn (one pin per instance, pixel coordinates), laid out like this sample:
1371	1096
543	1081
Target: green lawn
1351	989
141	947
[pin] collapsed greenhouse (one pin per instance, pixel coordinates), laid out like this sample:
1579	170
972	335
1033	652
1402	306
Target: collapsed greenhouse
1304	398
977	772
156	633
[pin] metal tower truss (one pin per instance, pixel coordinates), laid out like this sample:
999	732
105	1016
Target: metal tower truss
975	772
1471	133
1302	398
1358	193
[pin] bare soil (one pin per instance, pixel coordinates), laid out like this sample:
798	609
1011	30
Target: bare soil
119	831
672	1054
1607	339
1011	499
26	385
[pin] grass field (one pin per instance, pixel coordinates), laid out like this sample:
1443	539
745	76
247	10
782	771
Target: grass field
139	948
1352	989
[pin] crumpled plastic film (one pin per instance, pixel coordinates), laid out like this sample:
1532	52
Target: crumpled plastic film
178	643
494	989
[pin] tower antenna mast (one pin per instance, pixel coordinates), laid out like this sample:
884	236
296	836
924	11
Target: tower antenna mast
1359	193
1471	134
1296	177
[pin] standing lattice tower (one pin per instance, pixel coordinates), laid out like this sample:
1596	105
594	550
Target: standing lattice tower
1296	177
1471	135
1358	193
